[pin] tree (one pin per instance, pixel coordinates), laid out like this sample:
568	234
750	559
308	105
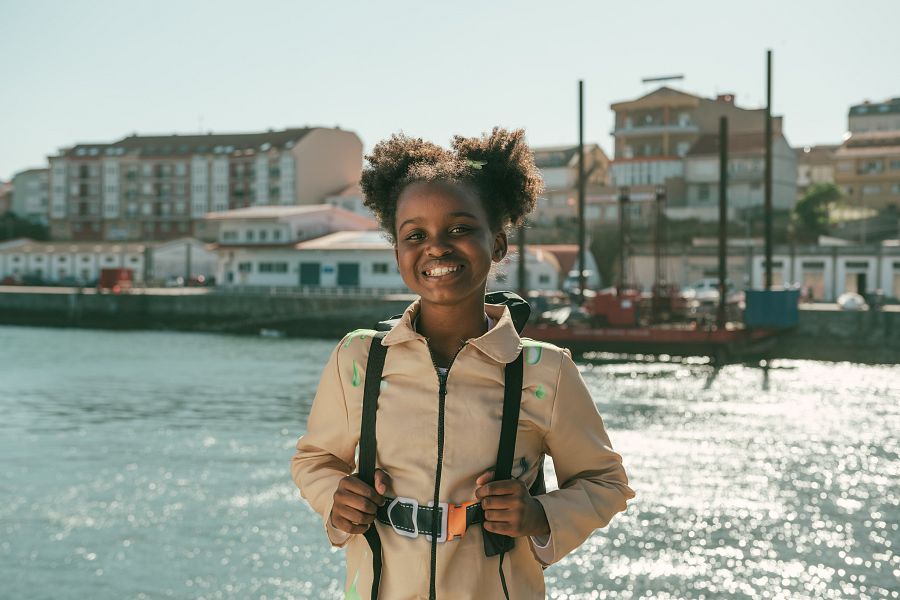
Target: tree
12	227
811	212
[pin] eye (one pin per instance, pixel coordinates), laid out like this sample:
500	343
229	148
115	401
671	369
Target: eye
415	236
460	229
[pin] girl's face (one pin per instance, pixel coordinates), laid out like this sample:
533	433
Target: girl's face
444	243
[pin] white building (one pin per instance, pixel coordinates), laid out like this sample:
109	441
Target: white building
824	272
282	225
354	259
80	263
350	198
746	176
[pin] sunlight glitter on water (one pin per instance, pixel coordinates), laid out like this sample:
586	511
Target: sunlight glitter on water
147	465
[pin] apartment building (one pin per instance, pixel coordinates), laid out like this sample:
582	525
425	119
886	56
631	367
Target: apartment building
654	133
746	176
868	162
161	187
31	195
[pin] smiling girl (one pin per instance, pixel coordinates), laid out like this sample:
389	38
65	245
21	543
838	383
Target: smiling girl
447	213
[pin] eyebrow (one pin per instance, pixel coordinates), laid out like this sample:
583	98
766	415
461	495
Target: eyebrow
459	213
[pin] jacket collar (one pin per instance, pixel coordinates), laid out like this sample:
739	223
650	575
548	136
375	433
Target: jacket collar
501	342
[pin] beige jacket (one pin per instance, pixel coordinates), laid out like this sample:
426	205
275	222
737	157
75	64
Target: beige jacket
558	418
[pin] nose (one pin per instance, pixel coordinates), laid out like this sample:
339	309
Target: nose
439	247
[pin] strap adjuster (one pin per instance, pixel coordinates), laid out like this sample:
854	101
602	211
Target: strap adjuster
415	516
443	522
455	521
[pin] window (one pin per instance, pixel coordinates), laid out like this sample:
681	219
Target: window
249	235
276	234
245	267
703	192
871	190
380	268
543	278
895	164
263	235
229	236
895	188
180	169
270	267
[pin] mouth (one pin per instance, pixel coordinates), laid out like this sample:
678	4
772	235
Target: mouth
442	271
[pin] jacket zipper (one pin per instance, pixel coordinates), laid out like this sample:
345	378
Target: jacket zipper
442	396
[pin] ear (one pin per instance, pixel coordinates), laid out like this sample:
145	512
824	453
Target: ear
501	246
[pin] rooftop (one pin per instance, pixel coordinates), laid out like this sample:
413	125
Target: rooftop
183	145
876	108
348	240
282	212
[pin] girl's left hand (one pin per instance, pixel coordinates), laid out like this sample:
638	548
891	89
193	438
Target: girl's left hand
508	507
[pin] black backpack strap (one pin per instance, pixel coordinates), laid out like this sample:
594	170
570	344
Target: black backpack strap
367	443
495	543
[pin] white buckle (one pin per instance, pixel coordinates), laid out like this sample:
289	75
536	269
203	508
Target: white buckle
415	516
445	511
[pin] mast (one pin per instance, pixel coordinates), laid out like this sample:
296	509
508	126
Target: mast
723	219
581	216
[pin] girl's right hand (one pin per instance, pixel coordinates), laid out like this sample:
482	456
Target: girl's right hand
355	502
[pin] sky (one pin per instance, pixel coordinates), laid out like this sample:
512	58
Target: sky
98	70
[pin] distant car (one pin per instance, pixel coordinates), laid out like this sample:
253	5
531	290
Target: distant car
572	281
706	290
11	280
175	282
851	301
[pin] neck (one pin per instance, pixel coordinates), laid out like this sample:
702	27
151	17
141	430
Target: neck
452	324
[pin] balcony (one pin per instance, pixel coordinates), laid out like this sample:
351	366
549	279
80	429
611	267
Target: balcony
655	129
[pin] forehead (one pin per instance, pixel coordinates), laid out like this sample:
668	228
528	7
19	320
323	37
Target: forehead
426	201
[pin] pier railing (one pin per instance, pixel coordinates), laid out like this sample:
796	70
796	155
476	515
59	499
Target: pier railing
317	291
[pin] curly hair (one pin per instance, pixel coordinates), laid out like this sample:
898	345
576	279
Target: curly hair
499	166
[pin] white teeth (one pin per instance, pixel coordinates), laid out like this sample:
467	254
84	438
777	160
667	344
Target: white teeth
441	271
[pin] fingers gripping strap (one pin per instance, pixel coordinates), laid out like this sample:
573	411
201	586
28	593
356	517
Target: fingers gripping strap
367	447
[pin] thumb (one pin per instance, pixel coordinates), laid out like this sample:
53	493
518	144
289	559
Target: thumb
382	481
485	477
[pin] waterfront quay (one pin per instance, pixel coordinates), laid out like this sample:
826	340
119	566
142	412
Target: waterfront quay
824	332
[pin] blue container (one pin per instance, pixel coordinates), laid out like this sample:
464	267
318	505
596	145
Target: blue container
772	308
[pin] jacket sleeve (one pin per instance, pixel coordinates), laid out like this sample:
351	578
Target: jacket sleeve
326	452
592	482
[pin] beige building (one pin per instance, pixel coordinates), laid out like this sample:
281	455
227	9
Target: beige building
655	132
868	162
815	165
868	169
160	187
559	170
